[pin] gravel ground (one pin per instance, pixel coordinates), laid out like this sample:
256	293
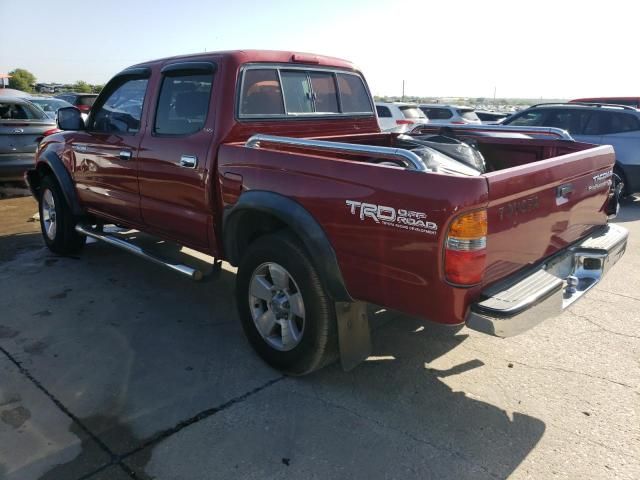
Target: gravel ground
111	368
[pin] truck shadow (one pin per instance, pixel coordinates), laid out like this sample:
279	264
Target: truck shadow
400	389
629	210
129	347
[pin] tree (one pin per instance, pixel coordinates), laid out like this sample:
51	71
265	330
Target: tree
82	87
97	88
22	79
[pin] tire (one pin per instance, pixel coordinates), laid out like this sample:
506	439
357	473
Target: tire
56	220
275	275
617	172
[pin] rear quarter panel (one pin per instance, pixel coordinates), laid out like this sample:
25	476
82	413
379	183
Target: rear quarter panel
382	264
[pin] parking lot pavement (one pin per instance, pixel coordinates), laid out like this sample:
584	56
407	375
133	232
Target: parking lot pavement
112	368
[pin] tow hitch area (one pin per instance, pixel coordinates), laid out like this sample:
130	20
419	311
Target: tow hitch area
516	305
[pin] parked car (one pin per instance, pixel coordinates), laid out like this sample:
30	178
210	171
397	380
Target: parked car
82	101
399	117
628	101
22	126
456	115
282	170
600	124
491	118
50	105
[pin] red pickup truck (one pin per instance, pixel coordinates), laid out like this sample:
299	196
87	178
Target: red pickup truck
274	162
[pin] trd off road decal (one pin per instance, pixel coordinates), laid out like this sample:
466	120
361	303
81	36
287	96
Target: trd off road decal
398	218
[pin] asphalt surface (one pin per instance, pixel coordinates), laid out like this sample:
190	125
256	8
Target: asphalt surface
113	368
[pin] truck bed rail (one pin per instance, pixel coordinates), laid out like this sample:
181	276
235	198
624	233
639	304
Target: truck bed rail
414	161
545	131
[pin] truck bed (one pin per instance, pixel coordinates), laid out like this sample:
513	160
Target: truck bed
540	195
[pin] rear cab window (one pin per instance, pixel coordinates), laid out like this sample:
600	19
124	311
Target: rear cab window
282	91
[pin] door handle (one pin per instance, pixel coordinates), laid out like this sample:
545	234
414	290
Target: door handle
188	161
124	155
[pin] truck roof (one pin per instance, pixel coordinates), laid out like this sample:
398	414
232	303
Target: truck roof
248	56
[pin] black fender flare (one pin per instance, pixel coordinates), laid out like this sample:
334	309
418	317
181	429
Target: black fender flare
301	222
60	172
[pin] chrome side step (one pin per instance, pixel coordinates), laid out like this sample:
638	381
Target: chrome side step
185	270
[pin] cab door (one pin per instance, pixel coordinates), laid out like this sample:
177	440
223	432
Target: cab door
106	154
173	167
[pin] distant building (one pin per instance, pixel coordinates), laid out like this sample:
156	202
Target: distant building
4	80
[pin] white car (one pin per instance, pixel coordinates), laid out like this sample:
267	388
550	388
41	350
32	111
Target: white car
399	117
455	114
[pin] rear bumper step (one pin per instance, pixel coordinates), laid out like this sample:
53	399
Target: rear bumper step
518	304
185	270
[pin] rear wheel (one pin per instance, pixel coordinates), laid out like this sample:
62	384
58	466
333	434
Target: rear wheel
56	220
285	312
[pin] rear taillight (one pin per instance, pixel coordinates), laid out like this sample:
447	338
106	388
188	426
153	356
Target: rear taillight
404	122
51	132
83	108
465	248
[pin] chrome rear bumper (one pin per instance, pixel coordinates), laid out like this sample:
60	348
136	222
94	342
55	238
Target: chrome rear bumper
518	304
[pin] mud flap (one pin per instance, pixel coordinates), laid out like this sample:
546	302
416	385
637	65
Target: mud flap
354	335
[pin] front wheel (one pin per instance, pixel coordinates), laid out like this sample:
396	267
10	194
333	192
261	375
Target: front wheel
285	312
56	220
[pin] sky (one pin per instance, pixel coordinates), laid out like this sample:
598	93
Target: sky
525	49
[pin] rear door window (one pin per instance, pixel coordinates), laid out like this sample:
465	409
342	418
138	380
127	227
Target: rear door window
383	112
623	122
572	120
183	104
607	122
468	114
436	113
532	118
412	112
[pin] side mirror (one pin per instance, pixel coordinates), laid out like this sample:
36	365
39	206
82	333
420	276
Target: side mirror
70	118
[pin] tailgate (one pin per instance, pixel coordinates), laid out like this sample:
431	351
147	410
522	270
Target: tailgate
22	136
537	209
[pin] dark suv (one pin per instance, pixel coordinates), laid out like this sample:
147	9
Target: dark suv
82	101
602	124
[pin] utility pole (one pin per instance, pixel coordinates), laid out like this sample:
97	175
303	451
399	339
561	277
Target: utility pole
494	95
403	90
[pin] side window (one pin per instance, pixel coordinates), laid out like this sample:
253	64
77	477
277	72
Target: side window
324	92
531	118
436	113
297	92
261	93
623	122
383	112
121	111
353	94
183	104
